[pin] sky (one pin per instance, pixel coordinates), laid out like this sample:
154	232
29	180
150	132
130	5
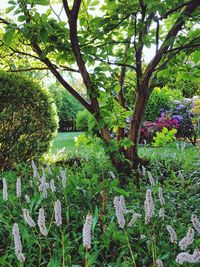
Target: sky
148	52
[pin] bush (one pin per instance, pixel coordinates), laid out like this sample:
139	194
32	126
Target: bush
28	120
86	122
164	137
158	100
67	107
149	129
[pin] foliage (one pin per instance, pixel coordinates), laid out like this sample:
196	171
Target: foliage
91	187
67	106
28	120
86	122
149	129
160	99
181	110
164	137
108	51
196	112
188	88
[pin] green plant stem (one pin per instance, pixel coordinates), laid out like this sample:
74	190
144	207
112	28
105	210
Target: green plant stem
131	252
63	247
86	256
40	253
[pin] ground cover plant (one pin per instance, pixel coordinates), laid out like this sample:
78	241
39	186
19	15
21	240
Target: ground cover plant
127	226
107	49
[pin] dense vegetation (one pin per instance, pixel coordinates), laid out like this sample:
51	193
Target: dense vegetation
125	191
107	50
28	120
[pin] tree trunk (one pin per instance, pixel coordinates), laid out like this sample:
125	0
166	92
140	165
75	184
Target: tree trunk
135	127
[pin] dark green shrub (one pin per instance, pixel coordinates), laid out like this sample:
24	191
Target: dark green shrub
86	122
160	99
67	107
82	120
28	120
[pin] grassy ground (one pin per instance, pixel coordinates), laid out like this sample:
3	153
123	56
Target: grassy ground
188	153
65	140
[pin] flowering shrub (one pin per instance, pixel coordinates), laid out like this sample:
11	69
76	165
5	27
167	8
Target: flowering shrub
149	129
179	117
75	218
164	137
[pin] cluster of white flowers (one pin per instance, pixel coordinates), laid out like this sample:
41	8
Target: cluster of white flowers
18	188
185	257
195	222
87	232
173	235
43	186
63	176
187	240
135	216
52	186
18	244
120	209
148	206
28	218
5	189
151	180
57	211
27	198
41	222
160	196
162	213
35	171
143	170
159	263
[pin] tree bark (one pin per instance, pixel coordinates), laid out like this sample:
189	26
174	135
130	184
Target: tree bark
135	127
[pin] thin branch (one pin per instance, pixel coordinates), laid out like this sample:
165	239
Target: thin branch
157	35
116	25
191	45
4	21
169	12
115	63
66	8
57	15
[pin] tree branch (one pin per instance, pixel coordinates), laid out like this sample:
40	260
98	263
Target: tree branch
191	45
60	78
169	12
166	44
66	8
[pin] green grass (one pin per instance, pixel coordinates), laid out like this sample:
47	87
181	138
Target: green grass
65	140
189	155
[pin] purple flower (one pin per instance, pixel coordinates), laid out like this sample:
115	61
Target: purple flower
179	118
162	109
162	114
179	107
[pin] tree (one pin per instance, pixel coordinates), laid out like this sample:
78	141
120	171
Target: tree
108	52
67	106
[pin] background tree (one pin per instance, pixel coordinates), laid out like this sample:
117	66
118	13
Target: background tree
67	106
108	52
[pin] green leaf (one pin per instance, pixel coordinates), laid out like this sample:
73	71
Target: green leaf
163	73
21	18
8	37
43	35
43	2
121	191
